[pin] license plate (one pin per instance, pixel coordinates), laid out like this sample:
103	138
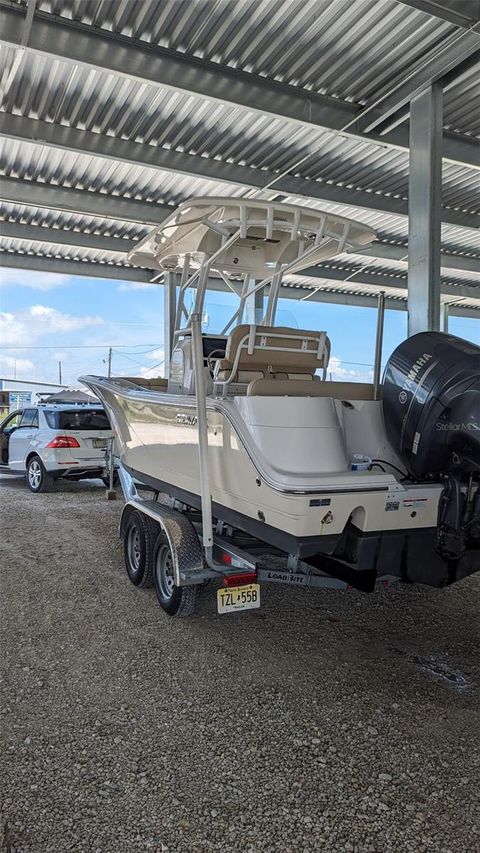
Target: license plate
100	442
233	598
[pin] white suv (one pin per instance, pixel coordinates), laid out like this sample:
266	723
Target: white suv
51	441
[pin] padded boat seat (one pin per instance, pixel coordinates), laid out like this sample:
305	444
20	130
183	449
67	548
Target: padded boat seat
255	352
309	388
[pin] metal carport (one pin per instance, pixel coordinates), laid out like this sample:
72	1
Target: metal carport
113	112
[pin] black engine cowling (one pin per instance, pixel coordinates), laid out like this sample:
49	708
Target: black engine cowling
431	405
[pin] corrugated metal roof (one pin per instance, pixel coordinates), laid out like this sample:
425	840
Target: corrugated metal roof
352	52
461	103
348	50
74	222
93	100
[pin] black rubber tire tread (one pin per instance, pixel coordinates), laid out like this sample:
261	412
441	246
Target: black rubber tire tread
46	482
149	529
183	601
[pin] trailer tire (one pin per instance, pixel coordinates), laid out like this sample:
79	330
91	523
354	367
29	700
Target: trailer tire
179	601
140	533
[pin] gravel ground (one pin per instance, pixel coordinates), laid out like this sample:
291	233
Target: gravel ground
324	721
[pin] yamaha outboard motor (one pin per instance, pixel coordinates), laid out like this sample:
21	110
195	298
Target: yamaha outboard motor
431	406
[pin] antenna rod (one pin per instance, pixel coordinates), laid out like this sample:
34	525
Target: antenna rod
378	344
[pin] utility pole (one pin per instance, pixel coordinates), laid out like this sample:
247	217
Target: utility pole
109	362
59	372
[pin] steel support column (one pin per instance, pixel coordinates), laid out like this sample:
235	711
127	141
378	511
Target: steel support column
169	311
445	315
424	201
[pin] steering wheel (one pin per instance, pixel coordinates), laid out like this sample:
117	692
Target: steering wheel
211	359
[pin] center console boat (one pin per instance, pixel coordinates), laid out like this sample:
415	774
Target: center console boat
245	439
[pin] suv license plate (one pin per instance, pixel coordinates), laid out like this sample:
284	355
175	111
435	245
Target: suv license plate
233	598
100	442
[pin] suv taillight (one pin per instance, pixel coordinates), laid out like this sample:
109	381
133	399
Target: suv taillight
63	441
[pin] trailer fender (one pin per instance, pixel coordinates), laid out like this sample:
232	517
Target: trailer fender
181	535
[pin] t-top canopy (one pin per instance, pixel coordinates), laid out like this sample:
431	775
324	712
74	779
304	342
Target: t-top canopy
247	236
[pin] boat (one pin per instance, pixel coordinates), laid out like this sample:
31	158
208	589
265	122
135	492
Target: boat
351	480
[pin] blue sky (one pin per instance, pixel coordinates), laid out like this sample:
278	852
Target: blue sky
46	318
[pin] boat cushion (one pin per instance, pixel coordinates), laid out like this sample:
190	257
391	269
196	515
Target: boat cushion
307	388
275	349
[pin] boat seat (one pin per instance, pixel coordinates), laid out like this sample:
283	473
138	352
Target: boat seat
302	388
257	352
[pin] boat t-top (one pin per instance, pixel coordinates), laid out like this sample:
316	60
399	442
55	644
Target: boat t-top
258	467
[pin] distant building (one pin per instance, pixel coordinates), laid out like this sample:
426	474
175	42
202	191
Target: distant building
15	393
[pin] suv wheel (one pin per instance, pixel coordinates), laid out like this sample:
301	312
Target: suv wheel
38	479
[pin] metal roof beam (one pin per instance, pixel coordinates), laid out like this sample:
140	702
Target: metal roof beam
443	61
67	200
77	43
463	13
64	237
332	273
63	266
83	240
399	254
78	267
121	273
135	153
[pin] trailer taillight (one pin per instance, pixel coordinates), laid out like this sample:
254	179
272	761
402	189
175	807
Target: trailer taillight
62	441
239	578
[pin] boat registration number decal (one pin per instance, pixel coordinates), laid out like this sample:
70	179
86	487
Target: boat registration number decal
392	503
233	598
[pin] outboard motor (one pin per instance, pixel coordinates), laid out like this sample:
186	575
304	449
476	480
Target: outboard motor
431	406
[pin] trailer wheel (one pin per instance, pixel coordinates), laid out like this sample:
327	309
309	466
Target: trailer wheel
138	540
177	601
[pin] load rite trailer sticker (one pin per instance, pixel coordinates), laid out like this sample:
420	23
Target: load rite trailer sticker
283	577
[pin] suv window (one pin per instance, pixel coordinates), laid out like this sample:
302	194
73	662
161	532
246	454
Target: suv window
50	418
83	419
77	419
29	418
11	421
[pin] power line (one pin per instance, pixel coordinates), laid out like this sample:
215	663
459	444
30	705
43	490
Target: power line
82	346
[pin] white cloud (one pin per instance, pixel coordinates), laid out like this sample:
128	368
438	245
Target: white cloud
34	280
25	327
148	372
12	329
156	354
48	320
21	368
135	285
338	373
